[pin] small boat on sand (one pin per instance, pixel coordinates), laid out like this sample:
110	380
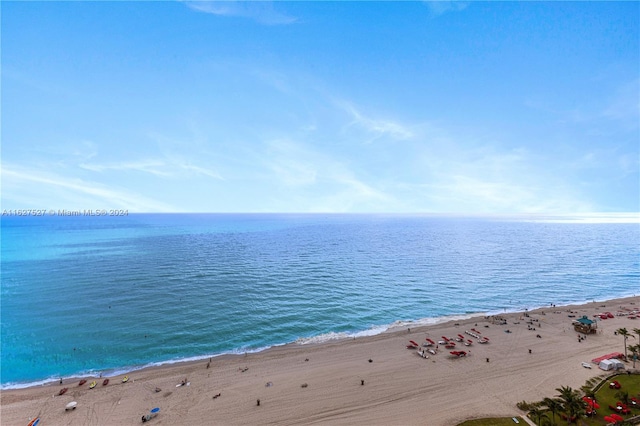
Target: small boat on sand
63	391
125	379
93	384
105	382
82	382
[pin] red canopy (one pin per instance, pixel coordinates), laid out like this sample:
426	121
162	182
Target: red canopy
608	356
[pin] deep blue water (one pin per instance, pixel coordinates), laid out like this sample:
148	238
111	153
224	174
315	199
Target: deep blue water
108	294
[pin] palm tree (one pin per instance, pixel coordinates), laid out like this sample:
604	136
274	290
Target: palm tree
571	403
537	414
623	396
554	405
624	333
636	331
635	350
588	391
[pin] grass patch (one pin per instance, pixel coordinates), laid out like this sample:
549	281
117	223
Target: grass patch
606	397
501	421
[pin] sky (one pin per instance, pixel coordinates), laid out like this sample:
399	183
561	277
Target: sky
337	107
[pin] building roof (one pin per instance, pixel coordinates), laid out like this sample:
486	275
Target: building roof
584	320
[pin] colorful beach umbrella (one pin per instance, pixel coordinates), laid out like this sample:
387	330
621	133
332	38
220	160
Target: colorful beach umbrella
591	402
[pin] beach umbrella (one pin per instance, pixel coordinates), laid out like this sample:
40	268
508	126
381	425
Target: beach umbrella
591	402
609	419
155	410
617	417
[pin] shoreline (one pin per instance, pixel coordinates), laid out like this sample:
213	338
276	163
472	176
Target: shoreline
303	341
397	386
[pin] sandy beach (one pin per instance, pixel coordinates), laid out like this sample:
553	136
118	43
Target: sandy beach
368	380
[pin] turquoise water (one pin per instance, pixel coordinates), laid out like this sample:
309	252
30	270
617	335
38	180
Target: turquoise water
111	294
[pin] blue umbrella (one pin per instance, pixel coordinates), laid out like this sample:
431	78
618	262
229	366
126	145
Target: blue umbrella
155	410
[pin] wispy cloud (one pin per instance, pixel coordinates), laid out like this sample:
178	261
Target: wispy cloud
262	12
441	7
158	167
318	181
354	195
60	192
153	167
376	128
622	106
488	180
625	104
290	165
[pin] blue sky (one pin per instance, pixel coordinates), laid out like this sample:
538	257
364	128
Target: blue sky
473	108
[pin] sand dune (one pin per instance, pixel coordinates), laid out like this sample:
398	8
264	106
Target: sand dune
322	383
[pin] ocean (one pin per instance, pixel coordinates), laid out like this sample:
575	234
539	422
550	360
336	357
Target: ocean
103	294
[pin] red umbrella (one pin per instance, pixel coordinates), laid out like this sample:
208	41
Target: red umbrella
617	417
413	343
592	403
609	419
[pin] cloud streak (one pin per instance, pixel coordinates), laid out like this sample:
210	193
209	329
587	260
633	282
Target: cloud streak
319	181
376	128
81	194
157	167
441	7
262	12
